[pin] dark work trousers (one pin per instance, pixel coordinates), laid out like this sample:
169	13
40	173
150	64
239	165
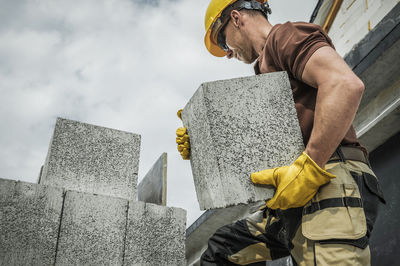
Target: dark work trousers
332	229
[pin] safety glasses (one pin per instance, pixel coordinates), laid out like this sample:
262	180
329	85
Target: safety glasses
221	39
217	32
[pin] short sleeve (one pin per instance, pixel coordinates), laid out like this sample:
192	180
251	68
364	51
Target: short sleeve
292	44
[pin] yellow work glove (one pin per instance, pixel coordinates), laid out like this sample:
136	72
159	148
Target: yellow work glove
295	184
182	139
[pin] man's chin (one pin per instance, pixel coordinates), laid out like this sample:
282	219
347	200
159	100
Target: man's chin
248	61
245	60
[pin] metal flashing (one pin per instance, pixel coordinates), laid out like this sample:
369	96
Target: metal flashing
379	39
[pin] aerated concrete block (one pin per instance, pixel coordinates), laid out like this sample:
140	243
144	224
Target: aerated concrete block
29	222
92	159
92	230
237	127
153	187
155	235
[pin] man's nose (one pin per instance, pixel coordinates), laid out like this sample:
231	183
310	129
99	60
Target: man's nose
229	54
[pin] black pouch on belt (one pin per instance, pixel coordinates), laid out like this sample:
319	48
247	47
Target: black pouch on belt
371	195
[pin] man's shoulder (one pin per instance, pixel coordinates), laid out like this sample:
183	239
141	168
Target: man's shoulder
294	31
290	45
295	26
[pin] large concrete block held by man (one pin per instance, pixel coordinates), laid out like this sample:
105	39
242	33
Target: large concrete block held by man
153	187
92	230
237	127
29	221
155	235
92	159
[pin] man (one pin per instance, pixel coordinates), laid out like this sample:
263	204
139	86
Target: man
325	203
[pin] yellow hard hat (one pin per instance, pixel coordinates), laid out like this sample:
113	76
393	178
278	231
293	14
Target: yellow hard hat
214	10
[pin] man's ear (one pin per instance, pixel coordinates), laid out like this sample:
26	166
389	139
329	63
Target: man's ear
236	17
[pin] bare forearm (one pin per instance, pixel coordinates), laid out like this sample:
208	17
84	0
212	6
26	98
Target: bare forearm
335	109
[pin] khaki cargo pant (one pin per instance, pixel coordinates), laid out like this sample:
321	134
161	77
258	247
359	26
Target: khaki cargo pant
332	229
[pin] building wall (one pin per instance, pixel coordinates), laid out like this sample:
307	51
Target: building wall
385	239
351	22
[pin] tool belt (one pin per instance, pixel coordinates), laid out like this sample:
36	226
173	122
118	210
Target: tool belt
344	153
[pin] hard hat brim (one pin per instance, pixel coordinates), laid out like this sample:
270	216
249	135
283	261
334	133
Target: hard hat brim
211	47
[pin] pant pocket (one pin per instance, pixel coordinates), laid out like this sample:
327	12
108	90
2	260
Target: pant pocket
336	212
340	254
371	195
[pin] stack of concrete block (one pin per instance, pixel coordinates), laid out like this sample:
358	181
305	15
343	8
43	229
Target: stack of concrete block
92	159
92	230
29	222
84	209
237	127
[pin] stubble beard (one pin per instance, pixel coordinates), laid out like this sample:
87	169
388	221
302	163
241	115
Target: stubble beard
249	57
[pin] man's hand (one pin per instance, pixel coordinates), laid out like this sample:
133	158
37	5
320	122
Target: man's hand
295	184
182	139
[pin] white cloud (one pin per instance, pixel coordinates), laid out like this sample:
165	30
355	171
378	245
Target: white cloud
121	64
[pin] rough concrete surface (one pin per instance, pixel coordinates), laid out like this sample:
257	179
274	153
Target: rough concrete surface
153	187
237	127
155	235
29	222
92	159
92	230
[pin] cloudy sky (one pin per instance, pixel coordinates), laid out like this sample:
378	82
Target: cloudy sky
124	64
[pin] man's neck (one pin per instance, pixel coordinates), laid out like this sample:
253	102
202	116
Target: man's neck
260	34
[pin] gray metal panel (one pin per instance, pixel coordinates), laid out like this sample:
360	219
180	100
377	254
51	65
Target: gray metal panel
376	60
360	55
153	187
29	222
370	58
385	239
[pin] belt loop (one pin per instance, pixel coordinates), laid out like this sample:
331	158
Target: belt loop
366	158
340	153
318	206
360	202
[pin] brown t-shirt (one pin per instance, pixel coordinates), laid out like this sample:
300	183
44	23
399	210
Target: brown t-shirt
288	48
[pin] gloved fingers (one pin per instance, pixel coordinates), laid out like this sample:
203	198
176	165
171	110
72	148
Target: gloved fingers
185	153
185	138
185	145
181	131
184	150
180	148
179	114
182	140
265	177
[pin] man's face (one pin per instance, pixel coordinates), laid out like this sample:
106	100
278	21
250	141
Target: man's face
239	45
